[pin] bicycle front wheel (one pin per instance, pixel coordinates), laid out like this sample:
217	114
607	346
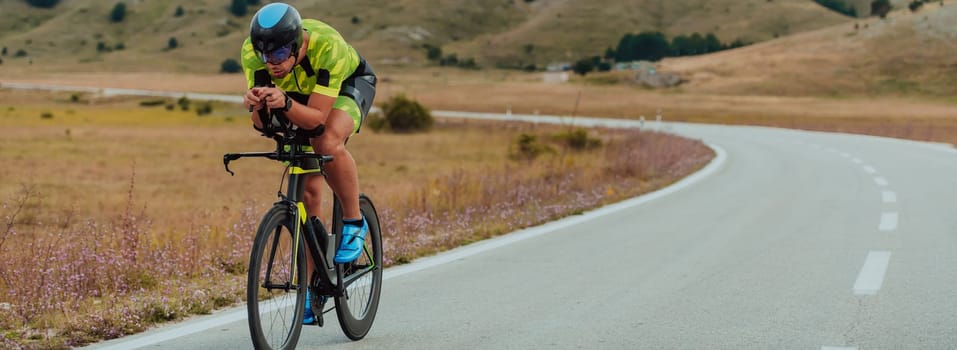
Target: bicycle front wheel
276	290
357	308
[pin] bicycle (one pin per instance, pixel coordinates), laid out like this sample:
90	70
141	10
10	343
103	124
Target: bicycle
275	295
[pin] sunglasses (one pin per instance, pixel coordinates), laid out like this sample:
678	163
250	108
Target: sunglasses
277	56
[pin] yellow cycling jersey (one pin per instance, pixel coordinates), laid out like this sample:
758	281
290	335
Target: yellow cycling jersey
331	60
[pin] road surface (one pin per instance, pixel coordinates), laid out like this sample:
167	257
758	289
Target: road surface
788	240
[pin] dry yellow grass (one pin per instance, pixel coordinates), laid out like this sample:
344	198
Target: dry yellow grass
136	198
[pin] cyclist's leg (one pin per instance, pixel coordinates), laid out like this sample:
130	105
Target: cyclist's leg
342	175
344	120
312	198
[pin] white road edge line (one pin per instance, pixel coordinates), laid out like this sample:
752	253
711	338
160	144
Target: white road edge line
871	277
239	313
889	197
888	222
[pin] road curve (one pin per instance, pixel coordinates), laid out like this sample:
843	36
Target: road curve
794	240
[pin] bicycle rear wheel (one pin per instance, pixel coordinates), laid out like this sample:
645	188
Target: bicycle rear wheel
275	291
357	308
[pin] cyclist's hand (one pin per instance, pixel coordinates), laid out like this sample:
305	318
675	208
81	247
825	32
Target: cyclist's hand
253	100
273	98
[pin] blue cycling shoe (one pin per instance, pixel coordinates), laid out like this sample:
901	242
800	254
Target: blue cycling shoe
308	317
352	242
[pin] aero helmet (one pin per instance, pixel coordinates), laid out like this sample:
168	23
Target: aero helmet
276	26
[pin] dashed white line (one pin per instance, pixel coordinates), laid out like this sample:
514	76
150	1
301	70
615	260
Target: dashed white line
871	277
888	222
889	197
869	169
880	181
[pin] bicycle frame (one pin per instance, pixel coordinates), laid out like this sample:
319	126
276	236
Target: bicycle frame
321	243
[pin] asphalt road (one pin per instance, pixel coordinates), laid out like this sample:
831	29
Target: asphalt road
789	240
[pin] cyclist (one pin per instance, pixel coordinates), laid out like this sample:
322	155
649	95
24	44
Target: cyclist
319	80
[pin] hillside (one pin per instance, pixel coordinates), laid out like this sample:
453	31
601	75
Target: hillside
905	54
78	35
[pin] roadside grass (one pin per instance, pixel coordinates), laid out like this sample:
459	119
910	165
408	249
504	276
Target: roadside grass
115	216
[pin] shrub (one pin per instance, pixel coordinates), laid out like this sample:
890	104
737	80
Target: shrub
20	53
118	13
230	66
4	51
527	148
172	43
578	140
183	103
355	20
43	3
881	8
153	103
205	108
238	7
179	11
376	121
46	115
915	5
405	115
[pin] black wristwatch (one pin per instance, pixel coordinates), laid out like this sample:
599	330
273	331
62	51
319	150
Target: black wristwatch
288	104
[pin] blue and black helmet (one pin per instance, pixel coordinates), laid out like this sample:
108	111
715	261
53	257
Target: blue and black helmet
274	26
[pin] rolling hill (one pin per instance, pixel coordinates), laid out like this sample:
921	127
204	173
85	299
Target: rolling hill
78	35
908	53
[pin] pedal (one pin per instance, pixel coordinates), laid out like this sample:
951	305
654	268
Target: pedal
318	305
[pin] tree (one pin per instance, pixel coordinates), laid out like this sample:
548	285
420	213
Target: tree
839	7
118	13
230	66
651	46
609	53
179	11
4	52
433	53
881	8
583	66
173	43
238	7
915	5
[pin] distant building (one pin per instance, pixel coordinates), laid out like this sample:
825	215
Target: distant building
555	77
559	67
647	66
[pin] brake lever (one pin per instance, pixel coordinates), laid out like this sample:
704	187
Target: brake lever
228	158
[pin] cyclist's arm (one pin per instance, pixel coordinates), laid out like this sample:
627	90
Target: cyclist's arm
313	114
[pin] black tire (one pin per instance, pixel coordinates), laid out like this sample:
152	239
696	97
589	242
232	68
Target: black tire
275	314
357	308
